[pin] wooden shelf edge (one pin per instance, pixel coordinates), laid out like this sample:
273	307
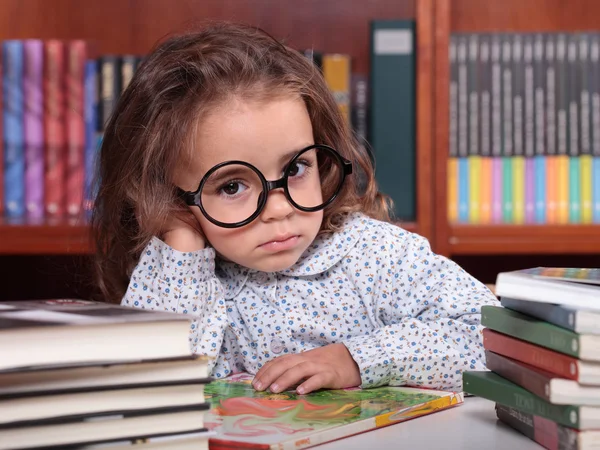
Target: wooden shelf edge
44	238
524	239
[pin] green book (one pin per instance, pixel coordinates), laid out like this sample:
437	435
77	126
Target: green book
497	389
392	127
542	333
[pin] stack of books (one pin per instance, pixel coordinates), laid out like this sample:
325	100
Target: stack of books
542	347
76	373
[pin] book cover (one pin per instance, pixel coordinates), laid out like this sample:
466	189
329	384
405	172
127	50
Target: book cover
493	387
61	331
574	287
243	417
545	432
546	385
557	363
521	326
577	320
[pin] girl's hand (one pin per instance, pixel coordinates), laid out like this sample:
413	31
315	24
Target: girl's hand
182	236
330	366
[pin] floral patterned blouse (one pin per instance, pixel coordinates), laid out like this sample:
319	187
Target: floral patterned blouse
407	315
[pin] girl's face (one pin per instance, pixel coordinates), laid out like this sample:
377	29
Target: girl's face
265	134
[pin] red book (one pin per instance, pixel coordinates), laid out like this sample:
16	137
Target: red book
1	140
76	52
54	128
557	363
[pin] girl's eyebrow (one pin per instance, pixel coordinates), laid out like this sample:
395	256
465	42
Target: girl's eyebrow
289	155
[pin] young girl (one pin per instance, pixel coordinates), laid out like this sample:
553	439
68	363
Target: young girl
229	192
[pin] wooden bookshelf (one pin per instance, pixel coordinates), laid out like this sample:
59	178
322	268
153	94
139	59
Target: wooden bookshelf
507	16
134	26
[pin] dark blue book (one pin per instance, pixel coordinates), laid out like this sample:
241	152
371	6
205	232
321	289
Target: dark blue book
577	320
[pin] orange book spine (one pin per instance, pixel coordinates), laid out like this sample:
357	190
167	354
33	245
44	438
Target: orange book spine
485	185
54	128
75	126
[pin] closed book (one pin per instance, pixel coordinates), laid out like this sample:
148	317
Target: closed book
91	133
287	420
33	408
33	88
493	387
578	320
557	363
392	126
102	376
54	128
547	433
337	74
99	428
546	385
77	331
507	321
13	137
573	287
76	55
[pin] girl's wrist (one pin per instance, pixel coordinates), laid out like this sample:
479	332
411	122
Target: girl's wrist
184	240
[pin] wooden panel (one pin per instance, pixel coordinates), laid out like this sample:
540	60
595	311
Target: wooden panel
424	117
532	239
442	111
49	238
133	26
524	15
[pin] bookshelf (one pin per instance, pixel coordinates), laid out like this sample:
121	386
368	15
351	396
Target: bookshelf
134	26
509	16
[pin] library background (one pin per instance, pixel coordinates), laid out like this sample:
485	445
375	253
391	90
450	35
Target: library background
483	118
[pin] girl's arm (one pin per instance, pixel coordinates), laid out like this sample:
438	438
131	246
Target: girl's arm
166	279
428	314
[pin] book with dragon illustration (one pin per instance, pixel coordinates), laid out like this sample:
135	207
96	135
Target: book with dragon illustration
244	418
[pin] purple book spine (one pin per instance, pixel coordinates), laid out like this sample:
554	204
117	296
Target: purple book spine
529	190
497	190
33	52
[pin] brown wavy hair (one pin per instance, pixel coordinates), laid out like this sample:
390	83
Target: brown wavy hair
150	134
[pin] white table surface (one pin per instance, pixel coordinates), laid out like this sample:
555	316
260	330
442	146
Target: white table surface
472	425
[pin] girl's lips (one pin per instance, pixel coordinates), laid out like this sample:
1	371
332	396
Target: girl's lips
280	244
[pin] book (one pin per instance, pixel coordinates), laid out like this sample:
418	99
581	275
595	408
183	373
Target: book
78	377
548	434
60	331
557	363
507	321
243	417
105	427
556	390
25	408
493	387
577	320
574	287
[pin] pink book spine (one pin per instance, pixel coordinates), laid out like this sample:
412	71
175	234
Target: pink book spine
54	127
33	52
529	190
75	85
497	190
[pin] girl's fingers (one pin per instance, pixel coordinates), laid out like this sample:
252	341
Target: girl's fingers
317	381
295	374
273	369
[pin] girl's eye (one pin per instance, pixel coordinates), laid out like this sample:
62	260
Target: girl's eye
297	168
232	188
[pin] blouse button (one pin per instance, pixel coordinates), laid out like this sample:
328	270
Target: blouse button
277	346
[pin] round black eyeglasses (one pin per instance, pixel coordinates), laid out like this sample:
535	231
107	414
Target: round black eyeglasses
234	193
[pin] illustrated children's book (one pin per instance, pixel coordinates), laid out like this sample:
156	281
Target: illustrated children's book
244	418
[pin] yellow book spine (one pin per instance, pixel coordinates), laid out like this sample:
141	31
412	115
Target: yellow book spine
452	190
551	190
518	164
336	71
585	162
562	169
485	185
474	189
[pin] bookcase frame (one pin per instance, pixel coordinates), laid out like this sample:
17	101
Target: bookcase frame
495	16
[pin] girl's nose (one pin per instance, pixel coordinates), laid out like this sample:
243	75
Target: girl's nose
277	207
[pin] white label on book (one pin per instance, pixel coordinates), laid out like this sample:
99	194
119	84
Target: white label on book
393	42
